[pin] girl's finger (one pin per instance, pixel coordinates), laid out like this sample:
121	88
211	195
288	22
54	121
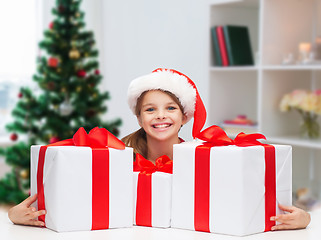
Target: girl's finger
281	227
286	208
283	218
34	215
28	201
30	210
36	223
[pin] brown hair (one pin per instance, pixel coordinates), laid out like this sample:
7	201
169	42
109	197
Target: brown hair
137	140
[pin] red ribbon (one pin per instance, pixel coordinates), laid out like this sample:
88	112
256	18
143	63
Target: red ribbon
99	139
144	185
40	190
215	136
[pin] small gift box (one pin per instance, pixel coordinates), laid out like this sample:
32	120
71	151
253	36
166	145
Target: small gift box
152	192
229	186
82	184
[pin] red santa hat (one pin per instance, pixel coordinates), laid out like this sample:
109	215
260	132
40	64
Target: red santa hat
178	84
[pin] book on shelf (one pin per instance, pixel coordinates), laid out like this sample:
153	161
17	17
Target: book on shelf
216	48
222	45
238	45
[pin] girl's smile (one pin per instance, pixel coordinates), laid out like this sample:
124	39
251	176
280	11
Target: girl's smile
162	126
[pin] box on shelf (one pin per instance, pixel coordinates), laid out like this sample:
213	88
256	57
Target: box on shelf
222	189
234	129
239	124
83	188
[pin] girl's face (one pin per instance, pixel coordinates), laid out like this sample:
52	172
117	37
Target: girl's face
160	116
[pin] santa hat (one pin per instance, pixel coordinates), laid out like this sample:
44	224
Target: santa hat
178	84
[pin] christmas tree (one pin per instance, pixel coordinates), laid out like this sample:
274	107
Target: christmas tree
68	77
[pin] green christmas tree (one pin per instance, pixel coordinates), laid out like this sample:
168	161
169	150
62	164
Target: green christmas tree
68	77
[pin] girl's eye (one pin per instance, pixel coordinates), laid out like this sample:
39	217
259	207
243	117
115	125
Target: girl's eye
150	109
171	108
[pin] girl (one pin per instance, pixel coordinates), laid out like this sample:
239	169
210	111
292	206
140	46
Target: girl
163	102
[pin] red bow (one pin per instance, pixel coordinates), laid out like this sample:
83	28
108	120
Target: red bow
216	136
97	138
162	164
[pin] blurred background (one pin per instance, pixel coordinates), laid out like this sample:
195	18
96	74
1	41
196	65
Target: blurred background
132	38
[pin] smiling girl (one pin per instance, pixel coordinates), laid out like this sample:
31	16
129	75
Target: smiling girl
163	102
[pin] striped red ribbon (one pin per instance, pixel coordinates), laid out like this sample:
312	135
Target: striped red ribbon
40	189
144	200
100	189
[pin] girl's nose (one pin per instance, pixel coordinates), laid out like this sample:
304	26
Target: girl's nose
161	114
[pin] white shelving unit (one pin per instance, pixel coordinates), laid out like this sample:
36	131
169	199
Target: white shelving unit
276	28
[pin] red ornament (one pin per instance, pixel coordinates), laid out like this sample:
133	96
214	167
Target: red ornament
20	95
51	25
81	73
52	62
54	139
97	72
14	137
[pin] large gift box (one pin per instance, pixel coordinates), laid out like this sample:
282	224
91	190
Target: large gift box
84	187
229	186
152	192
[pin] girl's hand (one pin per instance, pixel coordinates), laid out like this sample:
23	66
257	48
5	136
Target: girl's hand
295	219
24	214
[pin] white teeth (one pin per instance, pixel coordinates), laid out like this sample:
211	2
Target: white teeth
161	125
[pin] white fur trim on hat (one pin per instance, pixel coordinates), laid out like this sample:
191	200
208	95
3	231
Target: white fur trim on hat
168	81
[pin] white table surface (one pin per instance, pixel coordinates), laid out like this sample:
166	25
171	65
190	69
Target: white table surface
9	231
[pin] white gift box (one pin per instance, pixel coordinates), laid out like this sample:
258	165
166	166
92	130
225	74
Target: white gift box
236	188
68	190
161	197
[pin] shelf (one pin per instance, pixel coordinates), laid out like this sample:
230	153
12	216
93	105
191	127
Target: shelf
292	67
236	3
256	91
231	69
267	67
296	141
240	126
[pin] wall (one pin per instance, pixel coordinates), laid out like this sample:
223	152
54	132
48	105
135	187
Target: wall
142	35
